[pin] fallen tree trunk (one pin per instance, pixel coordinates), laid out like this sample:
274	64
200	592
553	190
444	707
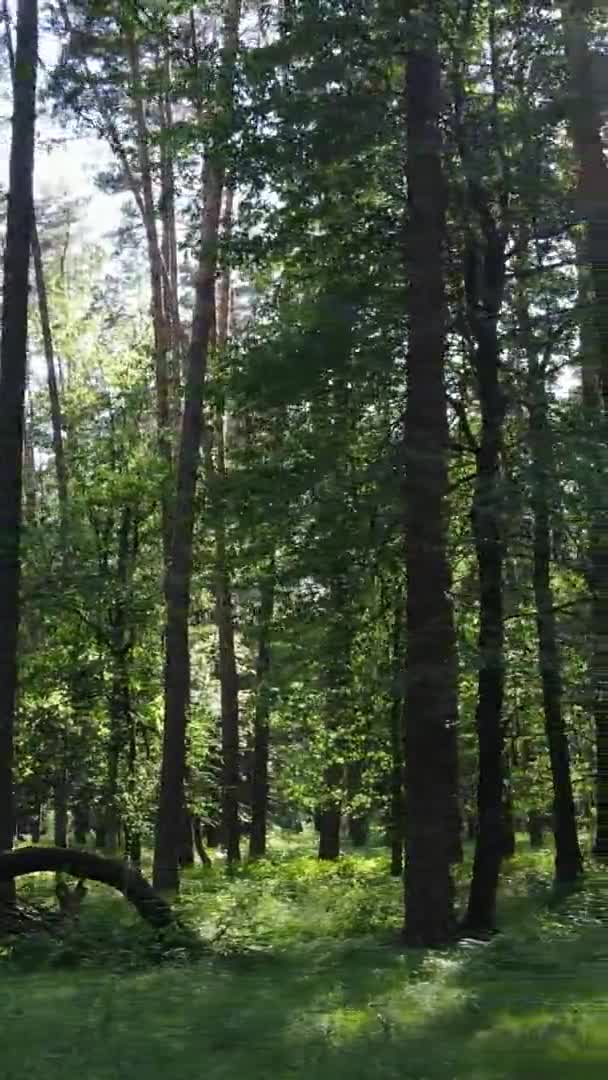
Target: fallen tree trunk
87	865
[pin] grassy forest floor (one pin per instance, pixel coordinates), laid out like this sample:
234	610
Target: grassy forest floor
302	976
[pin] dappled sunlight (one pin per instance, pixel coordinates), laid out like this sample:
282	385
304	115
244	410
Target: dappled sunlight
270	1000
302	973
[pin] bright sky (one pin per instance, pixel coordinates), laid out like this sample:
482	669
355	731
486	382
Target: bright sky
66	162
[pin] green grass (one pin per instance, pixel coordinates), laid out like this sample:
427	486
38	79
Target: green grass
303	977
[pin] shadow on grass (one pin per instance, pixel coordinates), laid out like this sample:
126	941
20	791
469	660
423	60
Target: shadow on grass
531	1003
515	1008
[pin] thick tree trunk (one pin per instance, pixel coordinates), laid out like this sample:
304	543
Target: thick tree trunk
586	128
484	282
261	733
432	709
224	605
179	569
212	835
13	349
186	847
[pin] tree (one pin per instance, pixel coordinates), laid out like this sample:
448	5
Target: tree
585	125
13	352
179	568
431	694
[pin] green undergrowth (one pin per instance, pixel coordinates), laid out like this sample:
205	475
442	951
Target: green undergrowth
298	972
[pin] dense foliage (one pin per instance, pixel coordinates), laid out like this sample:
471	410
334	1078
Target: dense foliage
302	497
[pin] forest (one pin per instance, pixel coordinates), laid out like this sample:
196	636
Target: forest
304	539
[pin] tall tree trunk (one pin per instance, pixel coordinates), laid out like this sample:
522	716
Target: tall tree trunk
224	604
13	356
568	859
585	125
432	706
259	770
484	281
160	317
179	568
593	423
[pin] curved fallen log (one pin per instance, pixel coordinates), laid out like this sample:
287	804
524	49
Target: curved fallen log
87	865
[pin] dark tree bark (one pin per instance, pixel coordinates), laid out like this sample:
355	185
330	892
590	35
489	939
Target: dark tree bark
86	865
224	603
568	858
329	816
484	281
13	350
179	569
432	710
186	847
212	835
259	768
586	129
